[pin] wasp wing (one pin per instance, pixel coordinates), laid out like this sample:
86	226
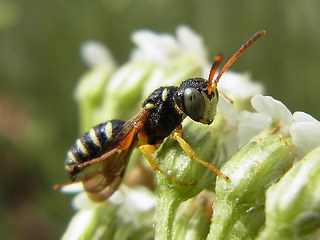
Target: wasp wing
101	183
102	175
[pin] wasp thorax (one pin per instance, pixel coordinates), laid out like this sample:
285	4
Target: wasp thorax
193	100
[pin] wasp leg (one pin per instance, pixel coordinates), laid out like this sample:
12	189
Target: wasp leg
147	151
177	135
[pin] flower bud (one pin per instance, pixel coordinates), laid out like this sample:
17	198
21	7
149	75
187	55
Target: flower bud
239	208
293	204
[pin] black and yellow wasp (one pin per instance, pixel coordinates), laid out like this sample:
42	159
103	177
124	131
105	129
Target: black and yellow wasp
161	114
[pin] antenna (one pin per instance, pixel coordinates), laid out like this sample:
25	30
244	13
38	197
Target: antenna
255	37
215	65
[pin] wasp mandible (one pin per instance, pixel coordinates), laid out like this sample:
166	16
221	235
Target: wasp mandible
110	144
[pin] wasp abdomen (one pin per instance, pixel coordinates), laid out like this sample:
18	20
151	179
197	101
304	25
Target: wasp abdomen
93	143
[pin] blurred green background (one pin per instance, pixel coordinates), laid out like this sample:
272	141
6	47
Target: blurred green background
40	66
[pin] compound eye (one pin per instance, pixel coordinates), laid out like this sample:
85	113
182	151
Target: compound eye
194	103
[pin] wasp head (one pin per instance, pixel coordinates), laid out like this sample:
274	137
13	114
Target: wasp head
197	97
195	101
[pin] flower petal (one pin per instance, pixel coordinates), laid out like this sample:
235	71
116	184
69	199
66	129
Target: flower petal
226	109
189	40
250	125
303	117
140	199
72	188
305	136
152	46
236	85
273	108
95	53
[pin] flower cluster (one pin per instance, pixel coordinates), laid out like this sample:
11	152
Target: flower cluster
272	157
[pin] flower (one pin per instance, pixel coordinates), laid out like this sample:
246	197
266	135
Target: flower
305	132
95	54
164	48
254	139
292	208
259	164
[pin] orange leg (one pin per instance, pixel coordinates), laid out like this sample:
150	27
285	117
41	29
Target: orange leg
189	151
147	151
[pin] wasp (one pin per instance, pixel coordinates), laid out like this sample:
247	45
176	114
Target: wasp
100	156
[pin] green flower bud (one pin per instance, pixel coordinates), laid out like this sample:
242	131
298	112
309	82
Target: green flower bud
205	141
122	96
126	218
92	222
193	217
293	204
239	208
89	94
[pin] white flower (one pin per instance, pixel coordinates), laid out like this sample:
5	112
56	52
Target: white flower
95	53
305	132
239	86
244	125
251	124
303	128
163	48
132	202
273	108
81	200
175	58
78	223
133	199
134	207
72	188
303	117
